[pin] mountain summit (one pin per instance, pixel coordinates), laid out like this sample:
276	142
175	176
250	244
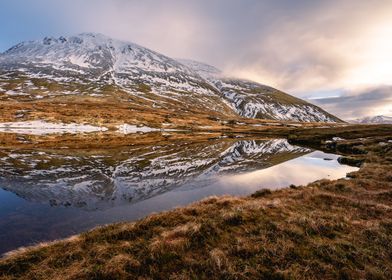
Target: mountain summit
95	66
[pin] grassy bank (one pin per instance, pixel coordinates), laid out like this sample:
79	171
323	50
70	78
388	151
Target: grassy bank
338	229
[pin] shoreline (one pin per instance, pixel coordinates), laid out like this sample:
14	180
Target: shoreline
298	232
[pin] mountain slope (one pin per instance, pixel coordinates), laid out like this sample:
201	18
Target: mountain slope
95	66
253	100
90	64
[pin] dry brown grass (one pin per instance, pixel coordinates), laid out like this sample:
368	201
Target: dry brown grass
114	106
338	229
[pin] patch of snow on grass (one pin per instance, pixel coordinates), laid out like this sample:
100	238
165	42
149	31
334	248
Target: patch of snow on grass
14	93
43	127
130	128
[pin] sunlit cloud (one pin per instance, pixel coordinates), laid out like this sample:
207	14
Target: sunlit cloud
356	104
325	49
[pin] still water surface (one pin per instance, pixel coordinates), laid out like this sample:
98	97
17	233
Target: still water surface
51	194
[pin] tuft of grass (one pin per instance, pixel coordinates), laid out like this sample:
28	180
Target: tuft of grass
261	193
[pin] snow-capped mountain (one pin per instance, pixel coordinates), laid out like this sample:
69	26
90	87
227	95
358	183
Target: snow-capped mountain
95	65
374	120
96	56
103	180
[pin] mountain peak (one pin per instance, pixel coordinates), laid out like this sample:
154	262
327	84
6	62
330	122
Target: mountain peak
93	52
86	41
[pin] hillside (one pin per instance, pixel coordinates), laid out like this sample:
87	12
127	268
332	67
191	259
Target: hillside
253	100
89	71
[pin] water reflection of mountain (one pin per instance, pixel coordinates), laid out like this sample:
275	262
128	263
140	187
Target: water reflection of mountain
102	179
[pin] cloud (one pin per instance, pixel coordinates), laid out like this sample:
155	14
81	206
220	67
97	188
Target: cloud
331	45
370	102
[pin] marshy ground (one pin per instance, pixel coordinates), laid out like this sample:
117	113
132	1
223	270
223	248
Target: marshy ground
339	229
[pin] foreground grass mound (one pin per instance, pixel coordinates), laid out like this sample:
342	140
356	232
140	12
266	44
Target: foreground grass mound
338	229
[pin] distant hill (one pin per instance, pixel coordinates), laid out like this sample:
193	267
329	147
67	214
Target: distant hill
376	120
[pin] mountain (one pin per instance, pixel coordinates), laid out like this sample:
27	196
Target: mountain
92	67
374	120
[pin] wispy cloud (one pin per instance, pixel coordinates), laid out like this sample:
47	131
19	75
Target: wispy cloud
367	102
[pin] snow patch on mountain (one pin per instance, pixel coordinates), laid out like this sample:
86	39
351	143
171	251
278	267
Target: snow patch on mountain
80	61
374	120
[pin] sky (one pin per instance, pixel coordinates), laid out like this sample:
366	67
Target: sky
335	53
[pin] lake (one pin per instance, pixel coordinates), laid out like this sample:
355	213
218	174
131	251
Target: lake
52	194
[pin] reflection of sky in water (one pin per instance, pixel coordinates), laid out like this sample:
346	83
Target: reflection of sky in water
23	222
299	171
